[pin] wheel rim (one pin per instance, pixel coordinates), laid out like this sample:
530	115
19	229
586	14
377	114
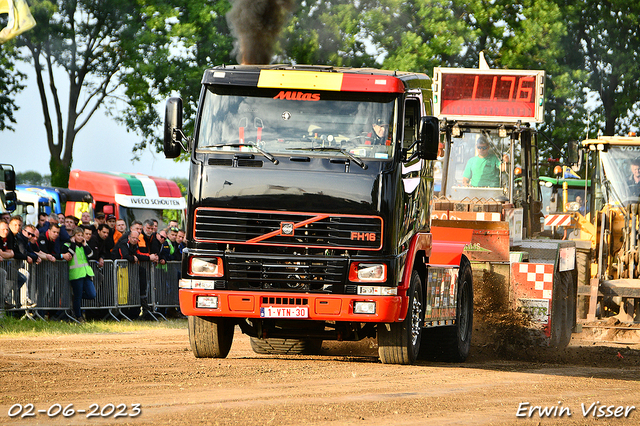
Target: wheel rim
463	321
416	313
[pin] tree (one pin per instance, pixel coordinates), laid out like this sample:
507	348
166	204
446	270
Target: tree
92	42
106	49
604	39
31	177
326	33
418	35
10	85
199	39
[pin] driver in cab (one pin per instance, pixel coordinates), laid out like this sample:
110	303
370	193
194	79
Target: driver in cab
483	170
379	134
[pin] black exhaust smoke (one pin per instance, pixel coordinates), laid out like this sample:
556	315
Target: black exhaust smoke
256	25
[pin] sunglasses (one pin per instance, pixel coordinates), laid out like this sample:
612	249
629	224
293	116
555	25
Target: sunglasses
483	148
174	229
31	234
162	236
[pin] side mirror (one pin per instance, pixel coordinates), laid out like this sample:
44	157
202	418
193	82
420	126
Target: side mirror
10	201
575	155
9	180
173	128
429	138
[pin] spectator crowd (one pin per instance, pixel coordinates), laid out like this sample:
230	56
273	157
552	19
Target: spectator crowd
78	241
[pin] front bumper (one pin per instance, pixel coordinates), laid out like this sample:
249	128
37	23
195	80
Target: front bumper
322	307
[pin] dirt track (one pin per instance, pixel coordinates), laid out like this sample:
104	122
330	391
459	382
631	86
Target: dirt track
156	369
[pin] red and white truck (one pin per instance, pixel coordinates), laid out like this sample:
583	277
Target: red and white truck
309	215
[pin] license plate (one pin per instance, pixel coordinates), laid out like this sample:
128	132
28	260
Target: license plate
284	312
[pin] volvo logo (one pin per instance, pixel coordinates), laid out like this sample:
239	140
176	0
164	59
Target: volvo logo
286	228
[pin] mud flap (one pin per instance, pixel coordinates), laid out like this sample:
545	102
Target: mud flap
563	309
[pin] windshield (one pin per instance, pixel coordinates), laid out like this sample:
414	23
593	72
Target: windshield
618	182
476	168
552	197
284	122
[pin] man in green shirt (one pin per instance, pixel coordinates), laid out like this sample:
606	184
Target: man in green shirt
80	273
484	168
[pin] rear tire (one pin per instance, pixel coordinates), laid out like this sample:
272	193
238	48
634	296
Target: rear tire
274	346
210	337
452	343
399	342
563	309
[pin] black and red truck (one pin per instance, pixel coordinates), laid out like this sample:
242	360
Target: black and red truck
309	214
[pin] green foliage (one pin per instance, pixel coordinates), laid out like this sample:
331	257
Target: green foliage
93	42
115	53
31	177
604	40
195	36
417	35
182	183
10	84
131	55
177	215
326	33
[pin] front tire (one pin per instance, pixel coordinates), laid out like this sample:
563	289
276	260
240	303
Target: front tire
399	342
210	337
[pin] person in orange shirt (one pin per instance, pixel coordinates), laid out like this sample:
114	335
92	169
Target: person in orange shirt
120	228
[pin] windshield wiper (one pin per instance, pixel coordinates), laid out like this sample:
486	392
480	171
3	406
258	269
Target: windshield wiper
353	158
268	156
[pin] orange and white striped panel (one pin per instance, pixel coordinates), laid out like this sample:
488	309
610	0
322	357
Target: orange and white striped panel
558	220
493	217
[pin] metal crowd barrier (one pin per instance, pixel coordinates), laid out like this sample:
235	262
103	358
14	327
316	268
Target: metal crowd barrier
14	279
46	287
106	292
50	287
164	292
127	283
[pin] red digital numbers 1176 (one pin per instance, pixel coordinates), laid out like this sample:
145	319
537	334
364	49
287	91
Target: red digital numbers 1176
489	94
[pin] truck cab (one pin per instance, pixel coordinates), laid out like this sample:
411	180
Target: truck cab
31	201
309	211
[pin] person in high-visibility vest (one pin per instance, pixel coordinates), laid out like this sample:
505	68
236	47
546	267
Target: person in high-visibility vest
80	273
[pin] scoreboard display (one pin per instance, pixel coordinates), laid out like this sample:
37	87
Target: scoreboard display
472	95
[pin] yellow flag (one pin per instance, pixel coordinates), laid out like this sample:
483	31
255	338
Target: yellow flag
20	19
4	6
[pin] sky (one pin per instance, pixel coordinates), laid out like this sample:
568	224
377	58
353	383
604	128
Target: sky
102	145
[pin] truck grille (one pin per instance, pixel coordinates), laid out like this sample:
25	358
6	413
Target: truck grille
316	230
306	274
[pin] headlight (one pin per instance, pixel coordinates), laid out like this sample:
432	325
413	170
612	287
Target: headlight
364	307
206	266
368	272
210	302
